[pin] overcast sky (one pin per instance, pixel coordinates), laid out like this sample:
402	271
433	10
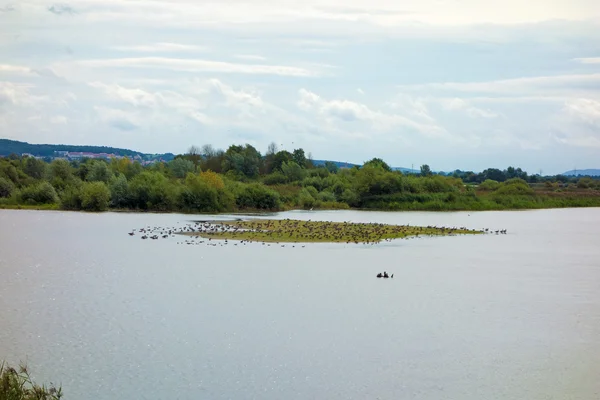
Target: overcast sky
465	84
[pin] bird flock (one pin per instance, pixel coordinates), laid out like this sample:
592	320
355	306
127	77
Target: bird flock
295	233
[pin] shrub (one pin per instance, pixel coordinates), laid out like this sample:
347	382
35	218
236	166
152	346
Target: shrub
42	193
18	385
95	196
276	178
258	196
6	187
489	184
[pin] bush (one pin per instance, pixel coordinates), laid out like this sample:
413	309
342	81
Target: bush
489	184
95	196
6	187
276	178
42	193
18	385
514	186
259	197
70	198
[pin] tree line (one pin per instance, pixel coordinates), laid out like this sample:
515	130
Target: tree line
241	178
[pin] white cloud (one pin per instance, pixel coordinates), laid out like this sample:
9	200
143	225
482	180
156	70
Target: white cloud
250	57
585	110
196	65
161	47
349	111
58	120
590	60
462	105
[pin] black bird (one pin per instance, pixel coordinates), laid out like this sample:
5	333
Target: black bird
379	275
385	274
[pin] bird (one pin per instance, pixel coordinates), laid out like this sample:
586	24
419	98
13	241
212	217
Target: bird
379	275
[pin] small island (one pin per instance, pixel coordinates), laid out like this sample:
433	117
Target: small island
296	231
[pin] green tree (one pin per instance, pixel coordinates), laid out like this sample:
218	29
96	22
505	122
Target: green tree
299	157
41	193
378	163
99	172
6	187
180	167
292	171
35	168
95	196
60	168
425	170
331	167
119	192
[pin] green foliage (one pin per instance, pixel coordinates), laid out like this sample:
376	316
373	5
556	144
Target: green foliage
180	167
489	184
95	196
292	171
331	167
35	168
378	163
41	193
119	191
99	172
258	196
425	170
276	181
6	187
16	384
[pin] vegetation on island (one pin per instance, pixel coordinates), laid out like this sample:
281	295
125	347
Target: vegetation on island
295	231
17	384
243	179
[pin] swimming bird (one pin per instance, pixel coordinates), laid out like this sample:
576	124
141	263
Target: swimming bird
379	275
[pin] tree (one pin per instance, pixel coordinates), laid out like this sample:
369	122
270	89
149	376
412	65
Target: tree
119	191
35	168
180	167
61	169
95	196
42	193
194	155
378	163
6	187
299	157
272	149
292	171
332	167
99	172
244	160
425	170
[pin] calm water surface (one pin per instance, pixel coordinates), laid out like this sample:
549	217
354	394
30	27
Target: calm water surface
110	316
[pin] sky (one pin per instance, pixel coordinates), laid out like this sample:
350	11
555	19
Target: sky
455	84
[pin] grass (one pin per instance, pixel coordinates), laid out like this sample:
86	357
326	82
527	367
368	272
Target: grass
291	231
53	206
16	384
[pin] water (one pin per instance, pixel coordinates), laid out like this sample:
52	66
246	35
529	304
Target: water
110	316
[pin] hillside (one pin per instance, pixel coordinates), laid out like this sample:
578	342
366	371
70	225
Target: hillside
583	172
8	146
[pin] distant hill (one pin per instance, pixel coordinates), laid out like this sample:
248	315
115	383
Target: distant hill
341	164
582	172
8	146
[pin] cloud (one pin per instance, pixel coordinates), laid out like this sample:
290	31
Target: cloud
61	9
136	97
197	65
589	60
349	111
558	86
116	118
58	120
161	47
585	110
15	69
7	8
250	57
471	111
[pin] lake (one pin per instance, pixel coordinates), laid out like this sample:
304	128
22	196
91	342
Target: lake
110	316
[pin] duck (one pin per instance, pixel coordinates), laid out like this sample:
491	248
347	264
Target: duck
385	274
380	275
